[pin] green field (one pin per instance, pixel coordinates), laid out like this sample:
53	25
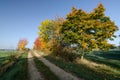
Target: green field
18	71
6	56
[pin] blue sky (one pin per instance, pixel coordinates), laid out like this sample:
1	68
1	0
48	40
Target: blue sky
21	18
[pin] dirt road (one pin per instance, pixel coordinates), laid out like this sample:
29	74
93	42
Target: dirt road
63	75
32	70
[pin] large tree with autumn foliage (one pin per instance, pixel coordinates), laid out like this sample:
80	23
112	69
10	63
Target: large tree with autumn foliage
88	30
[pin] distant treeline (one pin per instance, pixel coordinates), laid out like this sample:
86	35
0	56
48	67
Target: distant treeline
7	49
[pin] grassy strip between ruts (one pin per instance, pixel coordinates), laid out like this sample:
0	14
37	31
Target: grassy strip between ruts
45	71
18	71
82	70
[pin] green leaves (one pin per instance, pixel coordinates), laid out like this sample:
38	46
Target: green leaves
46	30
88	30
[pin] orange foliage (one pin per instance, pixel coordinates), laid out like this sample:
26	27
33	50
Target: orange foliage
22	43
37	44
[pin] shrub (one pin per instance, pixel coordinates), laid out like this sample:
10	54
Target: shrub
67	54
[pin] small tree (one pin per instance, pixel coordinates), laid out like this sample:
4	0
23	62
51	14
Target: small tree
88	30
22	43
37	44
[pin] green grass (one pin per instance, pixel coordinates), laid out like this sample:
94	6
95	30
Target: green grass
111	58
18	71
110	55
47	74
84	71
6	56
7	53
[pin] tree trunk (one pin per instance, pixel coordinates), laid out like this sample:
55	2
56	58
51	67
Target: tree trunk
82	57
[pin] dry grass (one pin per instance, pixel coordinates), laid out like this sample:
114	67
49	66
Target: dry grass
98	67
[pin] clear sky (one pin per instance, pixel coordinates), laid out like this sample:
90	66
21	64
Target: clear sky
21	18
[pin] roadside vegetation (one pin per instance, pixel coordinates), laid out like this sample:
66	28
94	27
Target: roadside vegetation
88	70
111	58
18	71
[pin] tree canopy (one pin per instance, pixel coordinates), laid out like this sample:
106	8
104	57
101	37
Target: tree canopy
88	30
46	30
22	43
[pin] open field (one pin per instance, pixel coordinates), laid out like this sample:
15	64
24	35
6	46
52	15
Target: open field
6	56
18	71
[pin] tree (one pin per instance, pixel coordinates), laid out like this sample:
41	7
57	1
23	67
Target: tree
119	43
56	40
46	30
49	32
89	31
22	43
37	44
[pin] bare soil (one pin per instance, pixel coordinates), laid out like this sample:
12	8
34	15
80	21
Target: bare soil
33	73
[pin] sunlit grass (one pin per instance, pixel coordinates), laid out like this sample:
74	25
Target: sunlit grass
7	53
111	58
99	67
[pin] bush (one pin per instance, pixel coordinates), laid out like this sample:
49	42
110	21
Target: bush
67	54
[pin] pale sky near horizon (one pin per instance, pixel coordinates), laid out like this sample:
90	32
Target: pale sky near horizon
21	18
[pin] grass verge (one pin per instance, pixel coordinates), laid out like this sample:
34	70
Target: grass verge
46	73
18	71
83	71
103	60
111	58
